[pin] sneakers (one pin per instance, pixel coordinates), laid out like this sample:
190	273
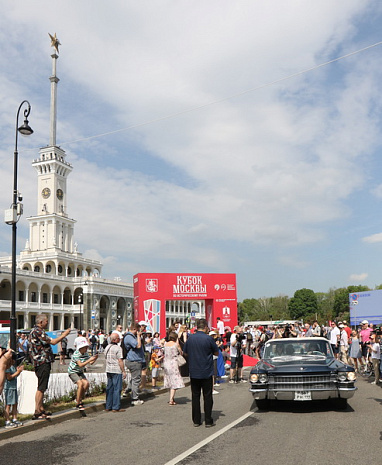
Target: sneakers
137	402
243	380
10	424
232	381
373	382
224	376
215	392
17	422
217	384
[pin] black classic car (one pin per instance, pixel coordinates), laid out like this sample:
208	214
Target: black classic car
301	369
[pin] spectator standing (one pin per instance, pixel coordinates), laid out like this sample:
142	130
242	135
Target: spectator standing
156	359
42	358
375	352
182	339
10	394
220	326
237	347
316	330
199	350
365	338
93	339
355	350
5	355
334	336
344	344
22	348
80	359
134	360
115	372
101	338
172	378
64	345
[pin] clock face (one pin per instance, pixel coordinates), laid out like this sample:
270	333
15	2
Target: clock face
45	192
60	194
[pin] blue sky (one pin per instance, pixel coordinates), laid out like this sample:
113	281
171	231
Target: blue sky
281	185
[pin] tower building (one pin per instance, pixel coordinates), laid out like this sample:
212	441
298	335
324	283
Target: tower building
52	275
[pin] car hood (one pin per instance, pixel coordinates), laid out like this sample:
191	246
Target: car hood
295	366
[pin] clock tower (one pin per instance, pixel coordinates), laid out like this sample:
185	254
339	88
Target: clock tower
51	229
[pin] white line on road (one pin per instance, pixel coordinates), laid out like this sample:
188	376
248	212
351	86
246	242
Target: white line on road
207	440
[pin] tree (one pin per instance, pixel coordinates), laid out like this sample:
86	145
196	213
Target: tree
341	300
303	303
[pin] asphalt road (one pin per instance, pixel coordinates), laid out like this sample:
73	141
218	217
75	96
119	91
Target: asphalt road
156	433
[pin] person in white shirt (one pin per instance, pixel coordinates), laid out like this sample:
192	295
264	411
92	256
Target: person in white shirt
344	344
334	337
220	326
375	351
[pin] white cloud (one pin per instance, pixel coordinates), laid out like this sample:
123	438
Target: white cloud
272	167
358	277
374	238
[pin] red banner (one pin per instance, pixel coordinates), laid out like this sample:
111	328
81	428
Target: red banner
153	290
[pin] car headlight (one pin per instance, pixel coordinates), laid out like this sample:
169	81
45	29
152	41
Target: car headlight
342	377
351	375
263	378
254	378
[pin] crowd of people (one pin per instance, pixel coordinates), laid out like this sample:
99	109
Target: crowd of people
201	354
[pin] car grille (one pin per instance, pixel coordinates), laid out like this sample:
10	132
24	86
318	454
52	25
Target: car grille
301	382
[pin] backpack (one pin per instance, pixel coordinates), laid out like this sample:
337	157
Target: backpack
105	344
125	351
93	339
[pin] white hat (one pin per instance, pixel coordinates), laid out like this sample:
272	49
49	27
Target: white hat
364	322
82	343
142	322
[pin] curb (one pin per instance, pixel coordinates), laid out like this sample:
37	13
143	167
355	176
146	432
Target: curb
59	417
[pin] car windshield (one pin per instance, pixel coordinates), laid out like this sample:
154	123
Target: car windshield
287	349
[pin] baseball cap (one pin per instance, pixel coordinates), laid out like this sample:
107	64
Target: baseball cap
82	343
142	322
364	322
212	333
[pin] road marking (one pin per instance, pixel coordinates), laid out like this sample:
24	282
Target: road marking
193	449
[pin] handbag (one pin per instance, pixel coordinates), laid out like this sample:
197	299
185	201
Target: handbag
181	360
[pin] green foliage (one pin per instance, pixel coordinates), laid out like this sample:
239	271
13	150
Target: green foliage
265	308
341	300
304	302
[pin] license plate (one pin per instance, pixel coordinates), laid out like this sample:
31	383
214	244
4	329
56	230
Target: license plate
303	395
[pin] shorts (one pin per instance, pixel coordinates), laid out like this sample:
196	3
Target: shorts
154	373
10	396
43	373
75	377
237	362
335	348
63	351
144	365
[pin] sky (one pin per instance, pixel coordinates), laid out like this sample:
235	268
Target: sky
206	136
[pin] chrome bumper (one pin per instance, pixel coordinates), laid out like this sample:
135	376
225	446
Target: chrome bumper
343	393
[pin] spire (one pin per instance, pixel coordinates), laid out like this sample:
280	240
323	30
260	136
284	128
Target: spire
53	92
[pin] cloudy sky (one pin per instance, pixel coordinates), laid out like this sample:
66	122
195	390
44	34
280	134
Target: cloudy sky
205	136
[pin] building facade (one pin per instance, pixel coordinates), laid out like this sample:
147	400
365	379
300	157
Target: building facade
52	275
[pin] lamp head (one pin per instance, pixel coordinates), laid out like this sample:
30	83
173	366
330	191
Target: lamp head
25	129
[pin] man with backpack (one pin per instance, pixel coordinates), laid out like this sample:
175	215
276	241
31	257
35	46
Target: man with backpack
93	339
135	358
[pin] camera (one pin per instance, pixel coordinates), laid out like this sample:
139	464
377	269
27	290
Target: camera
240	337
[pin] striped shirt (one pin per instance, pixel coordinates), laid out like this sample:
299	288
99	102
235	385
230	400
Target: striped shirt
73	366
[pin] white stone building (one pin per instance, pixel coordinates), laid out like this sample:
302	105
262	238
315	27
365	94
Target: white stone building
52	275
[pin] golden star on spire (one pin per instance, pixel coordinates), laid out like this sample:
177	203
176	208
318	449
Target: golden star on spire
54	42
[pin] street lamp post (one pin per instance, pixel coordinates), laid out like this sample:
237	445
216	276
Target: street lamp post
13	215
80	302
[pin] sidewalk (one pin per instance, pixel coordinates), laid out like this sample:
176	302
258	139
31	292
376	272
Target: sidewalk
59	417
